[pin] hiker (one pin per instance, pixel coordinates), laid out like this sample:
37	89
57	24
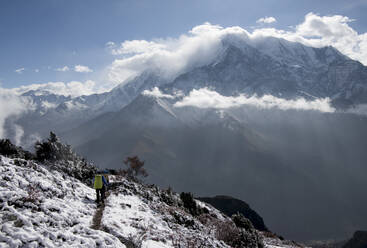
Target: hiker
100	185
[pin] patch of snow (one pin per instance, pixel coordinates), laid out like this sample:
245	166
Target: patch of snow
153	244
48	105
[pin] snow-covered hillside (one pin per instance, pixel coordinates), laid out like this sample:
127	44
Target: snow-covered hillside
46	208
40	208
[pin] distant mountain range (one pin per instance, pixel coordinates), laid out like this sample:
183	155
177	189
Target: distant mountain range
289	164
265	66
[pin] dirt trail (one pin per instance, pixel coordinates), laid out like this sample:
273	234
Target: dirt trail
97	218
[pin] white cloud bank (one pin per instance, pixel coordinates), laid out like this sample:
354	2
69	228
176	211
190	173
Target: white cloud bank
166	57
320	31
155	92
205	98
266	20
11	105
171	56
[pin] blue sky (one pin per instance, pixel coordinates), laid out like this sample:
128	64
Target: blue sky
43	35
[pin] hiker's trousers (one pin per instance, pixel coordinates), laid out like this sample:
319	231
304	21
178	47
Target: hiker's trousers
100	194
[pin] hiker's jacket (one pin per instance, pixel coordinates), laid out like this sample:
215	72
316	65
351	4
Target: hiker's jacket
99	181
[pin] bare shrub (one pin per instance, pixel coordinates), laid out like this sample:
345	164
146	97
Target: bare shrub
227	232
33	194
135	168
191	242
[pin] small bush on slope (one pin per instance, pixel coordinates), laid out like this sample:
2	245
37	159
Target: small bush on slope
190	204
61	157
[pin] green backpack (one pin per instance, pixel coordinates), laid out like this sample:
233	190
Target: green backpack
98	182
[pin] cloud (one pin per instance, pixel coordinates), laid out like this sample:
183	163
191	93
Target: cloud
205	98
110	44
19	132
36	70
65	68
155	92
320	31
11	105
29	141
138	46
73	88
360	109
82	68
168	57
48	105
20	70
77	68
266	20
